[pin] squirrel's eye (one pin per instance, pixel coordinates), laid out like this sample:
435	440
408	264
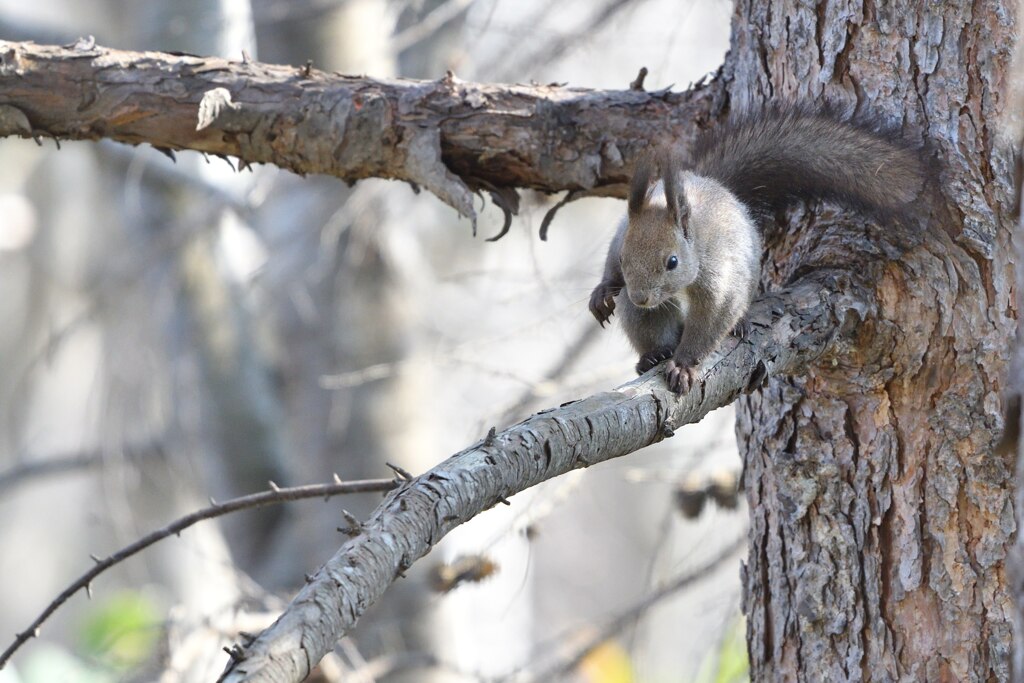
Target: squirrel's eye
672	262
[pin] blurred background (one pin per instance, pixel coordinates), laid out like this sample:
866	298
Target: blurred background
175	332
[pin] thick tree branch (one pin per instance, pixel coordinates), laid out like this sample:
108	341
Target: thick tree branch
447	136
789	329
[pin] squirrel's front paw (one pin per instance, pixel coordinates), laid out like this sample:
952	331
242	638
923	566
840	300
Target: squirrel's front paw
680	377
602	302
652	358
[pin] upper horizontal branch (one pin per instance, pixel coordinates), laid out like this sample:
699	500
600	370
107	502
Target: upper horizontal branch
789	330
448	136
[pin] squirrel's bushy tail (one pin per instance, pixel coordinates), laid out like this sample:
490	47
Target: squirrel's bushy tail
773	158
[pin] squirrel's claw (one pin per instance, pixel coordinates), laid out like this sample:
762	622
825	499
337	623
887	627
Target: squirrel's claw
602	303
741	329
680	378
652	358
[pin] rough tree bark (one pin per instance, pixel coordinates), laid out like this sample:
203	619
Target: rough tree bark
880	515
547	138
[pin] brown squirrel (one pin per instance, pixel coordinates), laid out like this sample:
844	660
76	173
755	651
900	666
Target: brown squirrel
688	252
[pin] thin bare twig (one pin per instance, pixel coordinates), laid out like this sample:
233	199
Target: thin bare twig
255	500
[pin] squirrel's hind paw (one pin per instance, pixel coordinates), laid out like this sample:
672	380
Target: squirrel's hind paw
680	378
741	329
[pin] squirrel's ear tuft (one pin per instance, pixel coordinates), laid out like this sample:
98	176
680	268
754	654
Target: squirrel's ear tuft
675	198
641	184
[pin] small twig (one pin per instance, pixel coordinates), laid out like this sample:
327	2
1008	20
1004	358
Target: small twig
550	214
506	199
354	528
570	196
638	82
277	495
403	474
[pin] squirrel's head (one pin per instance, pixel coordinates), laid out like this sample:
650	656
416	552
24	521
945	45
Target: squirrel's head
658	257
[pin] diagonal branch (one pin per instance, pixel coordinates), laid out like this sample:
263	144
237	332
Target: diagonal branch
447	136
789	330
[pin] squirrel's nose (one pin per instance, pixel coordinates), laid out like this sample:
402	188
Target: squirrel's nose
641	299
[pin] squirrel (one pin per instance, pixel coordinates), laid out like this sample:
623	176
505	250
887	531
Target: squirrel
685	262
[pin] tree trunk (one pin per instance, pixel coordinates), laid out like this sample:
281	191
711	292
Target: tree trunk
880	516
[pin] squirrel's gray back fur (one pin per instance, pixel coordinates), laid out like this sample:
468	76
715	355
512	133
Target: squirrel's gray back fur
771	158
